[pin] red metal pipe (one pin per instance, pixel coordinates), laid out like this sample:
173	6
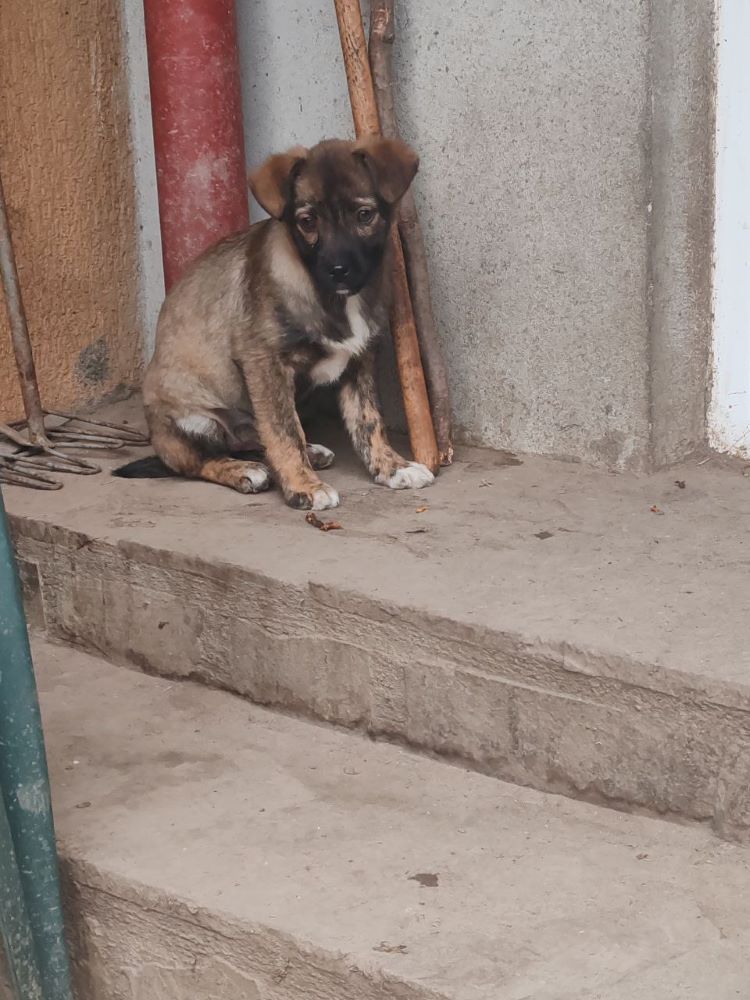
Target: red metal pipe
196	107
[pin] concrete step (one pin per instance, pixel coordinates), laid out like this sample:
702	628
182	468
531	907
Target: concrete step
214	850
545	623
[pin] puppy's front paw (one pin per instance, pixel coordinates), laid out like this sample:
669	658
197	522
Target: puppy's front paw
319	456
324	497
411	477
320	497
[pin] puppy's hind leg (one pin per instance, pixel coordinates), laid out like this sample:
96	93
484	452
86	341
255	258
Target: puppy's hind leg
245	477
195	447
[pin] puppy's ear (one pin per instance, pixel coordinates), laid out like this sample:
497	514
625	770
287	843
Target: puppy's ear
391	163
271	182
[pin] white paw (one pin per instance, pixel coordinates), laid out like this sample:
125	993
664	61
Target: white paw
257	478
320	456
412	477
324	497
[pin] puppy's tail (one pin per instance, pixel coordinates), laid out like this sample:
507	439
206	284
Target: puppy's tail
151	467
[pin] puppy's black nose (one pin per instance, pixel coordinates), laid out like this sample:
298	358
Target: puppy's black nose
339	272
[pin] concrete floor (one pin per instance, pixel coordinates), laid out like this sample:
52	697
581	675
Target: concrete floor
214	850
634	567
540	621
549	624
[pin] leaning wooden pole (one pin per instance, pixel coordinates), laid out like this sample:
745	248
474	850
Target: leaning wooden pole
382	33
19	331
403	328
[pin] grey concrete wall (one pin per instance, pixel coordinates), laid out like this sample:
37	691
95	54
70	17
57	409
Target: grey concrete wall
569	275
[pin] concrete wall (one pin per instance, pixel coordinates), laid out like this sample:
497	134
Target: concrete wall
566	192
67	172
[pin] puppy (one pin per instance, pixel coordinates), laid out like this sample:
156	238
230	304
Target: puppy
296	301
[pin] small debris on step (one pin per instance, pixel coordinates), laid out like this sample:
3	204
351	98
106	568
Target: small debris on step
391	949
641	857
421	510
680	484
83	805
746	472
317	522
428	880
484	482
543	535
655	510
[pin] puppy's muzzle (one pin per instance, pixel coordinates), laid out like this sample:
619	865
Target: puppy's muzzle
339	275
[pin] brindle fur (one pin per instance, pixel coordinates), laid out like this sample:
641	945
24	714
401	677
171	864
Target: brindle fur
269	312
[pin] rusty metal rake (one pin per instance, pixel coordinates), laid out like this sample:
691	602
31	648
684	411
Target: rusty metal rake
30	449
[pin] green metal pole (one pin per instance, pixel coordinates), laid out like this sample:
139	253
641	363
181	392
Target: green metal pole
24	783
15	929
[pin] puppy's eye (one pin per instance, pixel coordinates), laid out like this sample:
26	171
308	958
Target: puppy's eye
365	216
307	223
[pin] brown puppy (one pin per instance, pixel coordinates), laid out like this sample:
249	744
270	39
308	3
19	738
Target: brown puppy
295	302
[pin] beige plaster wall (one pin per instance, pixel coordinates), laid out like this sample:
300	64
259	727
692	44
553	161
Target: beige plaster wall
66	164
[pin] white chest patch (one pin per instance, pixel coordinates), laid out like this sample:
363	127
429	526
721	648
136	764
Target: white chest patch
331	368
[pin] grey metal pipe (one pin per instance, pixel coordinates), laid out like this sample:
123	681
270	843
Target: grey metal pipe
15	930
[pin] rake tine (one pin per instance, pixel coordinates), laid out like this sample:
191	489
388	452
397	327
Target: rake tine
63	434
122	431
29	462
32	480
88	445
14	436
73	465
38	453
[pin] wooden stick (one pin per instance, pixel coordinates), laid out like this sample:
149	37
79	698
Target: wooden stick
403	329
382	33
19	331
